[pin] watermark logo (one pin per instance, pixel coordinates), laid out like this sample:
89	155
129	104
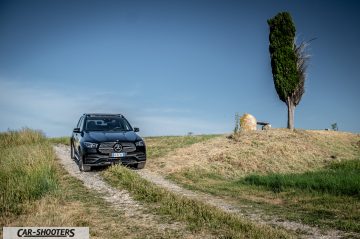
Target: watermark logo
46	232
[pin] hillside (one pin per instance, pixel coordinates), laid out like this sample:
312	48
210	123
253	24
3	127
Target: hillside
277	150
305	176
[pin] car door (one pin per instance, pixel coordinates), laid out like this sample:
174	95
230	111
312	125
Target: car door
77	136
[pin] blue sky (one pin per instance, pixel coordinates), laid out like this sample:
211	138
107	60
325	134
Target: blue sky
171	67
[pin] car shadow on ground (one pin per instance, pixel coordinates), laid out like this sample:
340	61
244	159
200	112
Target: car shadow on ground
104	167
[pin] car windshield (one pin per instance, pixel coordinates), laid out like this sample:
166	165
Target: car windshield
107	124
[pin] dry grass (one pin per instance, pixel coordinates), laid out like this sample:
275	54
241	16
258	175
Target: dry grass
161	145
279	150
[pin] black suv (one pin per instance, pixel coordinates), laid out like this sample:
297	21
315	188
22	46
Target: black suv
103	139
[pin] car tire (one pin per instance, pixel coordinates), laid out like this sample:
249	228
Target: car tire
72	153
140	165
82	167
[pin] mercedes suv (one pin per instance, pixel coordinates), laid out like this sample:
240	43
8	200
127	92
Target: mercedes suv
104	139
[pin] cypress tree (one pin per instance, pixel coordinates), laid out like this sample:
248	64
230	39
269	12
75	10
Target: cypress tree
288	62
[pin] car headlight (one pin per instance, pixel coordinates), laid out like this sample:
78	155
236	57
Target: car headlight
90	145
139	143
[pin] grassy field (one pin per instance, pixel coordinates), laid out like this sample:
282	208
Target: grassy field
197	215
307	176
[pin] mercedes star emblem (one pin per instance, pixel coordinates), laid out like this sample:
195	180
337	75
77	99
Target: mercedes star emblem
117	147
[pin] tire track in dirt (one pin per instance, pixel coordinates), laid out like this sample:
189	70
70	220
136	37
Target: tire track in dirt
256	215
119	199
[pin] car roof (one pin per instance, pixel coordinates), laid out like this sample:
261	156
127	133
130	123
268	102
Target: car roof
102	114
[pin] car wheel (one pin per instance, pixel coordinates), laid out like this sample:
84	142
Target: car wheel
72	153
140	165
82	167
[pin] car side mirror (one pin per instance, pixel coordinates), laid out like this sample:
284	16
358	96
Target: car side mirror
76	130
136	129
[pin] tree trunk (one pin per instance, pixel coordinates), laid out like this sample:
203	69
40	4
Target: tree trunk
291	111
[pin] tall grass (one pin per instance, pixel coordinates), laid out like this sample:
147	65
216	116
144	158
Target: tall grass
338	179
27	170
13	138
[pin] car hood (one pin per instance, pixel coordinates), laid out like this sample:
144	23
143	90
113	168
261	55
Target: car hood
111	136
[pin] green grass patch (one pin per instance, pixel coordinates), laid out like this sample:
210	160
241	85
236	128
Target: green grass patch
162	145
196	214
341	178
27	169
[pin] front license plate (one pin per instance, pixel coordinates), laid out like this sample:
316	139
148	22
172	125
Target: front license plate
117	155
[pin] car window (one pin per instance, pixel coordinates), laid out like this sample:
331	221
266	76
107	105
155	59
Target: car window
80	121
77	126
81	126
107	124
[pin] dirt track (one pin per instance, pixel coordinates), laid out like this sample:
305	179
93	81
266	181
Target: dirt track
123	201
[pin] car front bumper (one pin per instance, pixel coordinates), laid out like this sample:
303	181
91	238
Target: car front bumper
104	159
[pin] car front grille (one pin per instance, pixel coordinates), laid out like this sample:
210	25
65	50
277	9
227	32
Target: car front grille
108	147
